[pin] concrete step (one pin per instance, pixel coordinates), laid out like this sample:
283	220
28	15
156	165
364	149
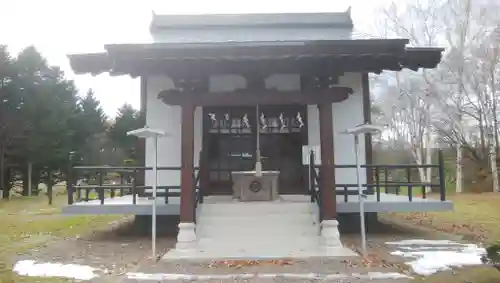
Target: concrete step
255	225
307	231
254	208
221	229
261	242
271	219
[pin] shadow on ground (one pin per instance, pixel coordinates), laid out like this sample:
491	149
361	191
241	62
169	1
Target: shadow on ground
349	224
140	227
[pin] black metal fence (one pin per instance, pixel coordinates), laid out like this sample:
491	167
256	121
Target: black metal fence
108	182
383	182
87	183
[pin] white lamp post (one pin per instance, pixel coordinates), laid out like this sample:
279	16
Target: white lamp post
356	131
146	133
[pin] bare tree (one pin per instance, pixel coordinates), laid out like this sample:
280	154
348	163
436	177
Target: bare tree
408	94
457	102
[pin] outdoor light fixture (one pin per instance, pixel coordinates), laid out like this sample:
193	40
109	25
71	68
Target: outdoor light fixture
362	129
148	133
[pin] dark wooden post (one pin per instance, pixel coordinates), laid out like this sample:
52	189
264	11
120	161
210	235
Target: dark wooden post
327	173
187	165
140	146
367	118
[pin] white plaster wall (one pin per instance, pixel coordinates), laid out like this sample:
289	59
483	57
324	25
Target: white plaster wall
249	35
346	114
168	118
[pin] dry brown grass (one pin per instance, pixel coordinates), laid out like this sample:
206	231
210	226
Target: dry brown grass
29	222
476	217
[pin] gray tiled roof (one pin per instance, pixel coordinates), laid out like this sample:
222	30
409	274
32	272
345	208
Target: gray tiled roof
339	19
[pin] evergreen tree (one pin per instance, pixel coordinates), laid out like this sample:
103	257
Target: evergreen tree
127	119
91	140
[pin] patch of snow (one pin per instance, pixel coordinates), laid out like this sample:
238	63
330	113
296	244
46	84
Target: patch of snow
73	271
433	248
418	242
384	275
304	276
433	256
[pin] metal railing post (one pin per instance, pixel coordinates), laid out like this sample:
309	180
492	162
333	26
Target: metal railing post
69	179
134	187
377	182
312	186
442	181
410	186
100	189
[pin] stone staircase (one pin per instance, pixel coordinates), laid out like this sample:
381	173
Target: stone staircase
253	230
257	229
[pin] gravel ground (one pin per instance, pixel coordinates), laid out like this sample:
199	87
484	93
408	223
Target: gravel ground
277	280
378	260
118	251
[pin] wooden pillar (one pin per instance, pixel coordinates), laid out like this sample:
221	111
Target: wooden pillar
367	118
187	165
140	146
327	172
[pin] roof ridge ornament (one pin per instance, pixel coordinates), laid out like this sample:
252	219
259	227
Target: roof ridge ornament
348	11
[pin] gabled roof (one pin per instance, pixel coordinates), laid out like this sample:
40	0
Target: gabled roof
368	55
290	20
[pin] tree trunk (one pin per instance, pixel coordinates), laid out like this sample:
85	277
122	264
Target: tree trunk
459	177
428	159
419	159
3	182
50	184
481	135
494	169
6	179
25	181
35	180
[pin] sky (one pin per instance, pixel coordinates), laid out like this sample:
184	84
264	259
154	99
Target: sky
57	28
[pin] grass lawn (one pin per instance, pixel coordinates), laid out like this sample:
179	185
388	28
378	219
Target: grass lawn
29	222
476	217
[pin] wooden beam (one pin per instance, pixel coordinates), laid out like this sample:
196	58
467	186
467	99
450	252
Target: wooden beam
327	172
250	97
187	165
313	64
336	47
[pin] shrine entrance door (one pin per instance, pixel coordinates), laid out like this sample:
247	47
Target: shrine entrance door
230	138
